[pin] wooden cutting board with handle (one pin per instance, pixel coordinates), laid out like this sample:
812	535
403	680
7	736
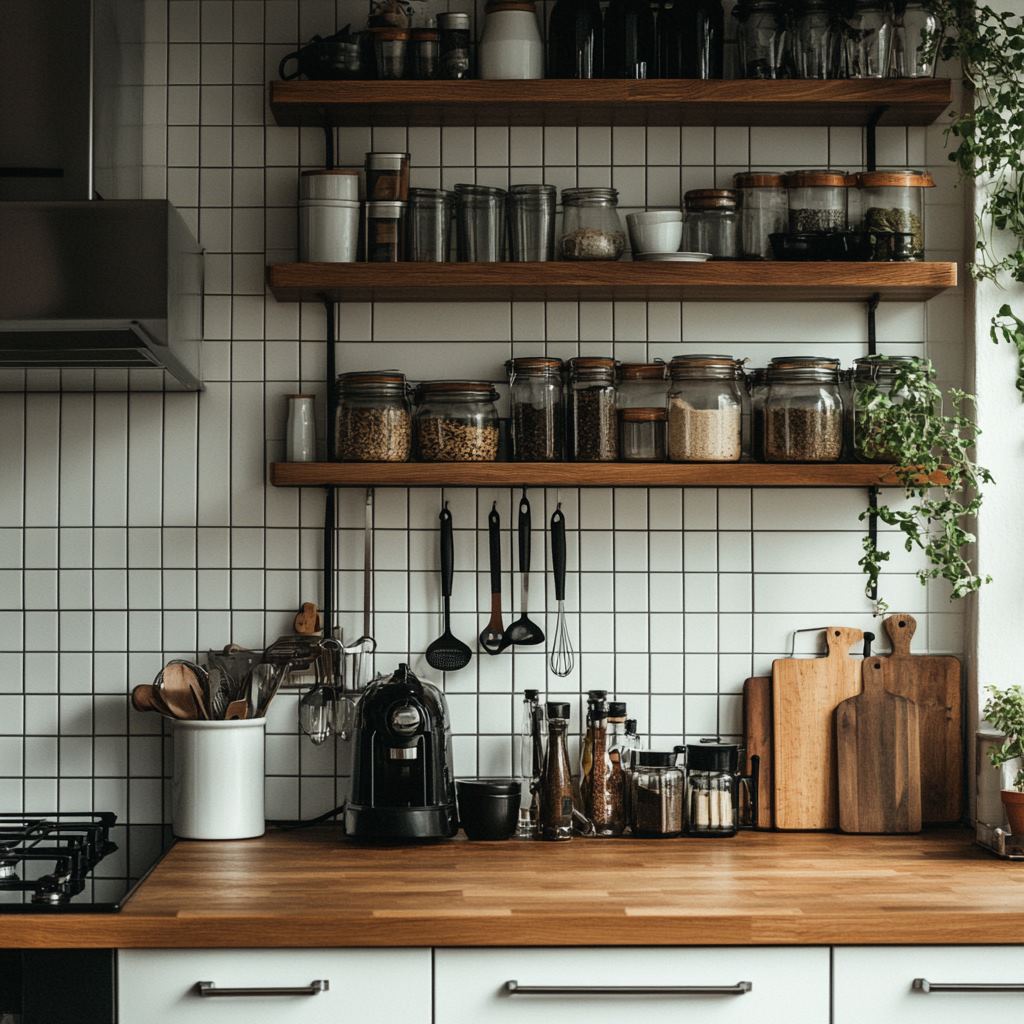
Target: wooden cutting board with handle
805	693
757	731
934	683
878	757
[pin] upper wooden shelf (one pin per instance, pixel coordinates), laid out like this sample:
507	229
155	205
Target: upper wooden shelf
611	102
578	474
730	281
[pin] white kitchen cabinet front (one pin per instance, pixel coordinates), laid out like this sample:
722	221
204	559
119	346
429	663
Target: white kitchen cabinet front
158	986
709	986
908	984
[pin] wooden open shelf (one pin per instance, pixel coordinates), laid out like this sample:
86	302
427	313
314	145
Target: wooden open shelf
611	102
729	281
576	474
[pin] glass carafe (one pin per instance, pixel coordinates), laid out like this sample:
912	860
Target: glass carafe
556	780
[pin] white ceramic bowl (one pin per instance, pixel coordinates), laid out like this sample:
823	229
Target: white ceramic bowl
655	231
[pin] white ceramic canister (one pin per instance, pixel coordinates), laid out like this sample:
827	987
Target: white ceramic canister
336	183
217	781
511	47
300	436
329	215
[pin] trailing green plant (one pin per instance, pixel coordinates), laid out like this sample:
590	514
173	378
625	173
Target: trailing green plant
904	421
1005	710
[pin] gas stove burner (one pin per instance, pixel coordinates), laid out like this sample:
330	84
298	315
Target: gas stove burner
8	869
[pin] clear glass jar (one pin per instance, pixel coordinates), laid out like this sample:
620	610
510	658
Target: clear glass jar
456	421
423	53
711	224
530	763
893	201
642	434
538	412
480	223
591	227
705	409
429	224
764	210
592	408
917	39
803	413
757	388
818	200
390	46
868	40
372	422
815	41
762	38
656	791
874	377
712	785
453	46
384	233
642	385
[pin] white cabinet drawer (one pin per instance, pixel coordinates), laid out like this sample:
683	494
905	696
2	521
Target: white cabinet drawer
158	986
786	986
878	984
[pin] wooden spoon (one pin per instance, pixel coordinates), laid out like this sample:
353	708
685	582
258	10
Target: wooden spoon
307	620
236	710
176	691
146	697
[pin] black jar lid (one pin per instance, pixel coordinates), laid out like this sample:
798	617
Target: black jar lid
617	709
558	709
597	694
655	759
531	694
712	757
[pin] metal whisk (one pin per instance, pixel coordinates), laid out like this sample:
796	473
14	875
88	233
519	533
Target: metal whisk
562	659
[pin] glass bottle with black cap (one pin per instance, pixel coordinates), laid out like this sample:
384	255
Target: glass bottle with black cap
556	803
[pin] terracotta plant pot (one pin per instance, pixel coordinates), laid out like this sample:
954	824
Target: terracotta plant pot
1013	804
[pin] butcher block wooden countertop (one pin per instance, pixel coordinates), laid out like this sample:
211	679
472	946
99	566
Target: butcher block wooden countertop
310	888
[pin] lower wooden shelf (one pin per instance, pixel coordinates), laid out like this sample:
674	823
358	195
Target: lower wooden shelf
578	474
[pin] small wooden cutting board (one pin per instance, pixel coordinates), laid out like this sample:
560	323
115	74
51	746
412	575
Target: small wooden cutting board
879	758
805	692
934	683
757	730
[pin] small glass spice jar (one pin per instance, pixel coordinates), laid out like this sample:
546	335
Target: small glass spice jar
373	421
657	788
456	421
591	227
453	56
712	222
712	785
384	232
387	177
642	434
642	385
705	409
538	410
762	38
423	53
390	46
868	40
803	412
874	378
764	211
893	201
592	409
818	200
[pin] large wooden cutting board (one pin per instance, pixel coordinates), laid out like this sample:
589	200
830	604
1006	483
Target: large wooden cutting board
805	693
757	731
934	683
878	758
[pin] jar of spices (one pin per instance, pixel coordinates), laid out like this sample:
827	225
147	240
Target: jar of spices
592	408
893	201
757	387
372	422
511	46
764	211
875	378
384	232
642	434
387	177
591	227
712	222
818	200
538	412
762	38
656	790
705	409
456	421
604	798
390	46
816	40
556	804
868	39
423	52
712	789
803	412
453	58
429	222
642	385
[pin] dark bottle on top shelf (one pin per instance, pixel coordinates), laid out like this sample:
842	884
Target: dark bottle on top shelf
629	41
690	39
575	40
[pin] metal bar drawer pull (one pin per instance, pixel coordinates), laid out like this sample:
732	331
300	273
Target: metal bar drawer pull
741	988
926	986
314	988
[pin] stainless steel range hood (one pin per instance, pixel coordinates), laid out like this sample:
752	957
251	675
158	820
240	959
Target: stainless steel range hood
91	276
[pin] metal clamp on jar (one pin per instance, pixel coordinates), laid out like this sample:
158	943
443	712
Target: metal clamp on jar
713	782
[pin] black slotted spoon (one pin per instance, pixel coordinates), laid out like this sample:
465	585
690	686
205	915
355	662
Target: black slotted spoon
447	653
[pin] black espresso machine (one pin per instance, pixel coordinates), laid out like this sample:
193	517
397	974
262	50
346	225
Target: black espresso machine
403	783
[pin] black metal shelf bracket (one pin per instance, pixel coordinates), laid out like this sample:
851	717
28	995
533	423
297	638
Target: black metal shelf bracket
870	137
330	495
872	326
872	309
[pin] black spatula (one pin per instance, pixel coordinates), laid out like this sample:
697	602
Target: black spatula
447	653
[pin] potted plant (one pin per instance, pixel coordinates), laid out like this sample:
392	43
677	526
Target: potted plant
1005	710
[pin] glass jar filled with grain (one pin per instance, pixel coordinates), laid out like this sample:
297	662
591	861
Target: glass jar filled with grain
538	410
456	421
893	201
818	200
591	227
373	422
592	408
803	412
705	409
876	383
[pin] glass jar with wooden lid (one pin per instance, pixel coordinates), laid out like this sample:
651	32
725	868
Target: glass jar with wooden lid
876	377
456	421
803	411
592	409
642	434
705	409
712	222
372	422
893	201
538	410
642	385
764	211
818	200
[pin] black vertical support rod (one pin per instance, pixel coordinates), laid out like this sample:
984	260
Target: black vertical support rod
871	144
872	327
330	373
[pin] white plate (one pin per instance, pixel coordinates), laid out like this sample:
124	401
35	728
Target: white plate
673	257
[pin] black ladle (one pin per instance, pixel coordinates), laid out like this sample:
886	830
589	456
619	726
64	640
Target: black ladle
492	636
523	631
447	653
